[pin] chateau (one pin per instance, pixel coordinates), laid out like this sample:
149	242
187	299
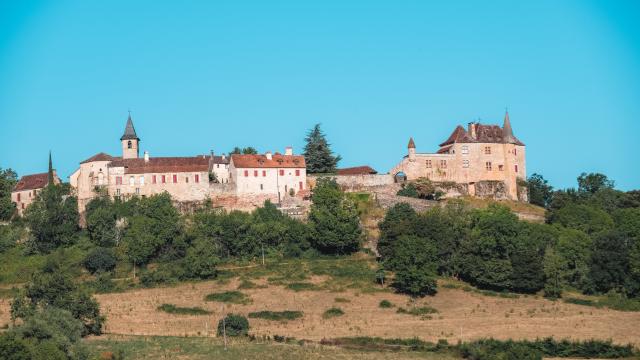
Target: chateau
241	181
28	187
483	160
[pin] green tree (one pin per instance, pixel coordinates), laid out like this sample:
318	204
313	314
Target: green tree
554	268
201	261
101	225
318	154
593	182
540	192
414	260
53	287
100	260
334	221
399	220
609	261
583	217
8	180
139	241
52	218
233	325
574	246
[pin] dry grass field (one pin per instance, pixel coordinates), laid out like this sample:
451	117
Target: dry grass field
461	315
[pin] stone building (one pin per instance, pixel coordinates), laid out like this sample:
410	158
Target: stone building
26	189
483	160
270	176
188	179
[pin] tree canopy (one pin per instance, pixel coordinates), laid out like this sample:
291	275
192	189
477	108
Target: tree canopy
318	154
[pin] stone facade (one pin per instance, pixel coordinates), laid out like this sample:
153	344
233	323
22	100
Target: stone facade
28	187
236	182
486	159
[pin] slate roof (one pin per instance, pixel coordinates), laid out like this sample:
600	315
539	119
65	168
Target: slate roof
217	159
163	164
412	144
357	170
30	182
484	134
261	161
129	131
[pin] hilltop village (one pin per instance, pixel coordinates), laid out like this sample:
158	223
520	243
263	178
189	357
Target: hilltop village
481	160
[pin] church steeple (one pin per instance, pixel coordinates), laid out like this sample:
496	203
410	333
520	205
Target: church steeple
130	141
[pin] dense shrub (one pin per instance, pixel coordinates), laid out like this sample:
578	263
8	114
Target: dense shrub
172	309
100	260
233	325
385	304
332	312
276	315
234	297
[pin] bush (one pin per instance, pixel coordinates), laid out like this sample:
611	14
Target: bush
301	286
417	311
408	190
100	260
172	309
233	325
234	297
276	315
385	304
333	312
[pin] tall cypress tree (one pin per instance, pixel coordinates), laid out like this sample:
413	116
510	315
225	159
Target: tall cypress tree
50	170
318	154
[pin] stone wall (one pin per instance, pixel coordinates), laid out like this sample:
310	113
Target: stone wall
355	182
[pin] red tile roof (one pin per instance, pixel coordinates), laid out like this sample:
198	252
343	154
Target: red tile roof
163	164
358	170
444	149
261	161
100	157
456	136
30	182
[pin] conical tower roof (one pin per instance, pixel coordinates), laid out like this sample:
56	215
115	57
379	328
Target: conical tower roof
412	145
129	131
507	132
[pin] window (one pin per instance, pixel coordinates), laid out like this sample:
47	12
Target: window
154	179
261	187
218	166
22	206
282	173
137	191
264	173
100	178
443	164
500	167
18	196
516	168
300	184
175	178
428	163
465	150
488	165
129	145
196	178
246	173
297	172
515	151
465	163
255	173
164	179
132	180
186	179
141	180
118	180
117	192
487	149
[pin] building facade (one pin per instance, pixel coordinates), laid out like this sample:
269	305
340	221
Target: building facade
483	159
186	179
28	187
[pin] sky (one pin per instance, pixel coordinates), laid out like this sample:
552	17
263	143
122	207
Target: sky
210	75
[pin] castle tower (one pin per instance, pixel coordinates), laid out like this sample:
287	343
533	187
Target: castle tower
507	131
130	141
412	148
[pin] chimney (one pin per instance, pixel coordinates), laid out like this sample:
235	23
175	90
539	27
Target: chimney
268	155
146	156
212	154
288	151
472	130
224	157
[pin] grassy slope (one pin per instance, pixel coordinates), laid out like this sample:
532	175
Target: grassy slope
192	348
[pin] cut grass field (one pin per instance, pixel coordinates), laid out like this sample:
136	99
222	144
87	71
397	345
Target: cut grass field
196	348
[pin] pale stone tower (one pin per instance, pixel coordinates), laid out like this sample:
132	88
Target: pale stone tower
130	141
412	149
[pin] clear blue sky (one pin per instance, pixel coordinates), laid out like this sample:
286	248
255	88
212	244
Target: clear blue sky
202	75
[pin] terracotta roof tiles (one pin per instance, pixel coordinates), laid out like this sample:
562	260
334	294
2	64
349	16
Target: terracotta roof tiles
163	164
261	161
358	170
30	182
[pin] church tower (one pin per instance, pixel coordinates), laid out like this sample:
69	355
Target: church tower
130	141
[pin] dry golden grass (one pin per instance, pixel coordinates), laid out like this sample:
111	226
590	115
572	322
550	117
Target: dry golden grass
462	315
524	210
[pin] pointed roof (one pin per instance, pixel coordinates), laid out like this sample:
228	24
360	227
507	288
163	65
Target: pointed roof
457	135
412	145
129	131
507	131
